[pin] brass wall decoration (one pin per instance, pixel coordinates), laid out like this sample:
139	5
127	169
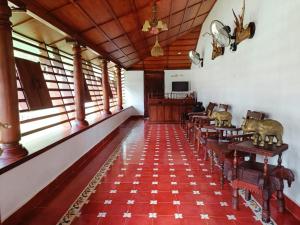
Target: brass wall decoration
217	50
264	131
240	33
222	118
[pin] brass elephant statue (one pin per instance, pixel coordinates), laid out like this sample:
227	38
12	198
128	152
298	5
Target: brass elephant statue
264	129
222	118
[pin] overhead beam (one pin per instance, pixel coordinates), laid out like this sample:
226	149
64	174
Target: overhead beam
41	12
112	12
98	28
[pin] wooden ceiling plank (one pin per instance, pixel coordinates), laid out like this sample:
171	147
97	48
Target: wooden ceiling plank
199	8
153	36
169	22
138	9
22	22
41	12
180	34
185	10
99	29
135	12
56	41
181	59
112	12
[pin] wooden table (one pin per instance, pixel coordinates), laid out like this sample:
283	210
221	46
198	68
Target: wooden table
218	145
262	178
165	110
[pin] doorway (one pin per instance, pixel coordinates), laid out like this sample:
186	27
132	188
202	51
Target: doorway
154	85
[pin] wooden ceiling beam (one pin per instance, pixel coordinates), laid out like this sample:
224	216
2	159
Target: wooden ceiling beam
154	35
169	22
22	22
206	13
98	28
185	9
41	12
138	9
116	19
137	18
199	8
180	34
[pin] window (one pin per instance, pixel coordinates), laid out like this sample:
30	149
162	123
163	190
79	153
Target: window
33	84
57	70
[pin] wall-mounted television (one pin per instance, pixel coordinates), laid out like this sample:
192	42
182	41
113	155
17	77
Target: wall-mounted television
180	86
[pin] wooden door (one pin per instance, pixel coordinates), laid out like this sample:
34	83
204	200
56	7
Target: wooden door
154	84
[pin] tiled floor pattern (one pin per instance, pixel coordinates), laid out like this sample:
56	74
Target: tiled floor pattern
159	179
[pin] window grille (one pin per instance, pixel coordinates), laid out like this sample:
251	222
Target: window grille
57	68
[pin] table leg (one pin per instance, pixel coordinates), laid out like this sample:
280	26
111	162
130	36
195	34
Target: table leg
280	200
266	206
247	195
279	161
235	198
222	174
211	161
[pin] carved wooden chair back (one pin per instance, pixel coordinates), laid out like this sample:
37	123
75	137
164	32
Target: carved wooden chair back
255	115
223	107
210	108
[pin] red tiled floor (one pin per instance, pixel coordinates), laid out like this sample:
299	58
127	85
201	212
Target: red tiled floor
158	179
171	184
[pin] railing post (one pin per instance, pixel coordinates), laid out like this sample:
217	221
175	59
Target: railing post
78	87
105	86
119	88
9	110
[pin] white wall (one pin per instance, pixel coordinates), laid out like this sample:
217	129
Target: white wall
263	74
20	184
134	90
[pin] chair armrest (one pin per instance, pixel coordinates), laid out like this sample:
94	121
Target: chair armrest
197	113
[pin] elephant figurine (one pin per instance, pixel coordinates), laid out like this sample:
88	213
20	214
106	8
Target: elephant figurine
264	130
222	118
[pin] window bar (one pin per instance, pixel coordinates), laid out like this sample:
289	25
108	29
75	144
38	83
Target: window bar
49	65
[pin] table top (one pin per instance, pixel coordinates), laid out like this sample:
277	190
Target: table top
268	150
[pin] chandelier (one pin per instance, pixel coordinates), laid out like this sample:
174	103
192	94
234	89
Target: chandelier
156	49
154	26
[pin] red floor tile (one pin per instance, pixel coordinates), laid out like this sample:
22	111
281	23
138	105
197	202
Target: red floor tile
158	179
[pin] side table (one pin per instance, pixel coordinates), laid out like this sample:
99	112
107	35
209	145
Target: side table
261	178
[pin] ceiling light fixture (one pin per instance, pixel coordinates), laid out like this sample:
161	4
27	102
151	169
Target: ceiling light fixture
154	26
157	49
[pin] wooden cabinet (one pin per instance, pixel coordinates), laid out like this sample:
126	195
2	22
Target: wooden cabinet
168	110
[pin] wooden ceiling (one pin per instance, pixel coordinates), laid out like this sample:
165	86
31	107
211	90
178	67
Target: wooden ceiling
112	28
175	55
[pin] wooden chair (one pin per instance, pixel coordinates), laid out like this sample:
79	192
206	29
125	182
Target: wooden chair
217	141
197	127
195	117
223	107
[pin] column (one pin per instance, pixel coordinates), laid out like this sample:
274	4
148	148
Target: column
119	88
105	87
10	133
78	87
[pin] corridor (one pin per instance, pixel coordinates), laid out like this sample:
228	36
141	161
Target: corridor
156	177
